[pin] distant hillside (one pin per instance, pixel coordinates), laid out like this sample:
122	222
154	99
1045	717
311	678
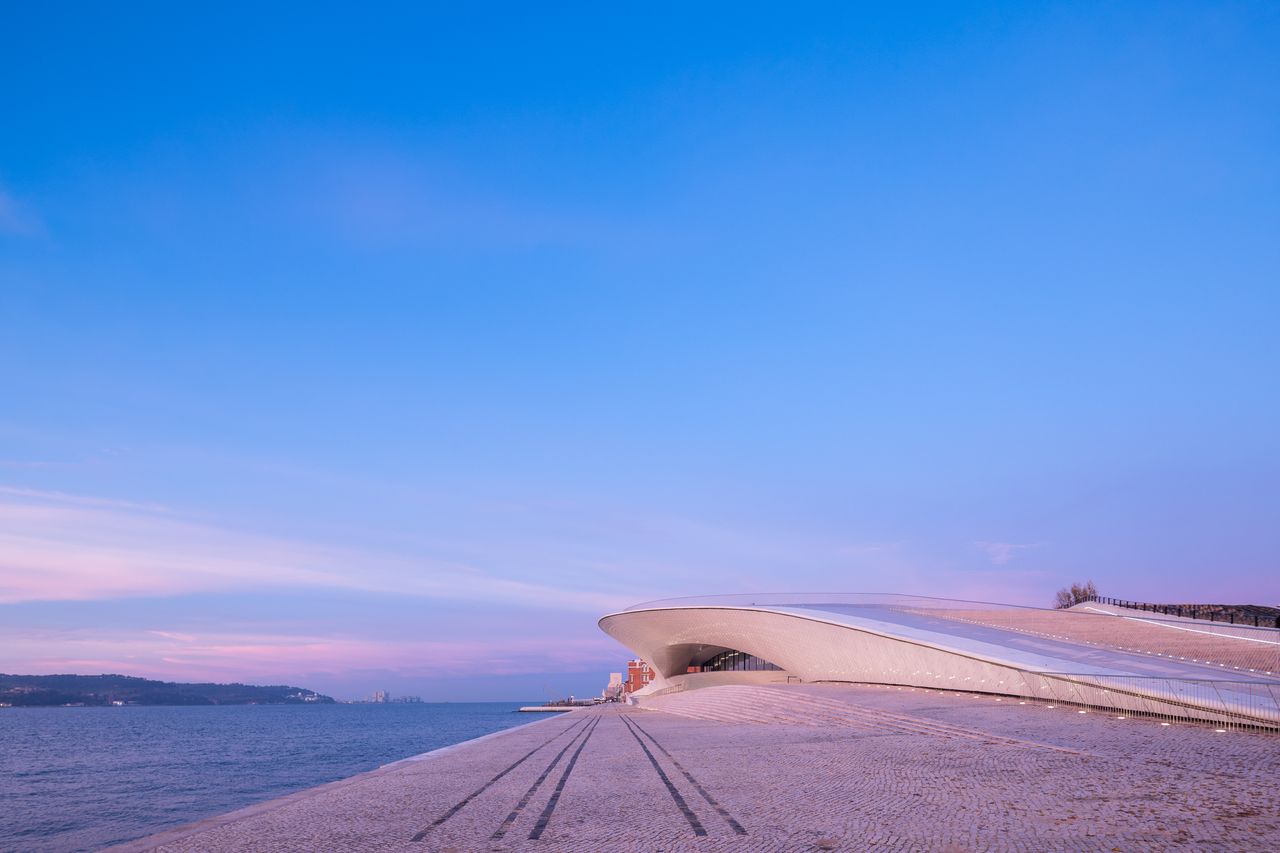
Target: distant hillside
33	690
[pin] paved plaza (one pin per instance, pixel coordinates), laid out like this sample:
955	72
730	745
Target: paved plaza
800	768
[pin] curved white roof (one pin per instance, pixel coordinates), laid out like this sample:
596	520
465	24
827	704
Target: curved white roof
1140	664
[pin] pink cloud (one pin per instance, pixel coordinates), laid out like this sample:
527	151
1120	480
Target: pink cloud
237	656
1000	553
55	546
174	635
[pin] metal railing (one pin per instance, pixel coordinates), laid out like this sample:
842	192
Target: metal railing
1258	617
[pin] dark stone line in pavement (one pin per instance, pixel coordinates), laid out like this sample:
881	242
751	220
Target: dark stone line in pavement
737	827
564	777
842	767
537	783
457	807
671	789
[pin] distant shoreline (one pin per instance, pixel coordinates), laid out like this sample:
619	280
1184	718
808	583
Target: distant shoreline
88	691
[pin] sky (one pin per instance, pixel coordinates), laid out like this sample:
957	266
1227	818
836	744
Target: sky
391	349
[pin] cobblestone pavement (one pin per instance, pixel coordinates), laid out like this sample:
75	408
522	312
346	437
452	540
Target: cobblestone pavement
823	768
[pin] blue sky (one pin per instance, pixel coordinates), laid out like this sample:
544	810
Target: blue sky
391	350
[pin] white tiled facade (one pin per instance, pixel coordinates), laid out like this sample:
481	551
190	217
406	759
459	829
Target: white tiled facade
810	648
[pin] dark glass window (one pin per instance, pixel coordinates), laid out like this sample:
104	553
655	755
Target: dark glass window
732	661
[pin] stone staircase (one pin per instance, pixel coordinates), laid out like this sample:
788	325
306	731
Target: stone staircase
792	706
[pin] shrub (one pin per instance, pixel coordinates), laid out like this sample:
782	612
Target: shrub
1075	594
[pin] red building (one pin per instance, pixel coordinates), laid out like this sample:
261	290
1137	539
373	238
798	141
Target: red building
638	675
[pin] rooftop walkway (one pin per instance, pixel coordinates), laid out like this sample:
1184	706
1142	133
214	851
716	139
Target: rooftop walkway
1042	652
811	767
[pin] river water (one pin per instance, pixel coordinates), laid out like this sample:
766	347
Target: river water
84	778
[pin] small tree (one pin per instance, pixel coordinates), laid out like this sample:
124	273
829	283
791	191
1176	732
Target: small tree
1075	594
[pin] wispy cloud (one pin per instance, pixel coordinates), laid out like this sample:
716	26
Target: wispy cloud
865	549
235	655
372	191
174	635
55	546
17	219
380	197
46	496
1000	553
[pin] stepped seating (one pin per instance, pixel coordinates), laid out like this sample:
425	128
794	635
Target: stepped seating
794	706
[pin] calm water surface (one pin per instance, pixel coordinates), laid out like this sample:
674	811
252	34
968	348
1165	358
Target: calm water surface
84	778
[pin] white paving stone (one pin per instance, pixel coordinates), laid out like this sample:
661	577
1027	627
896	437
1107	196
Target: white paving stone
797	768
